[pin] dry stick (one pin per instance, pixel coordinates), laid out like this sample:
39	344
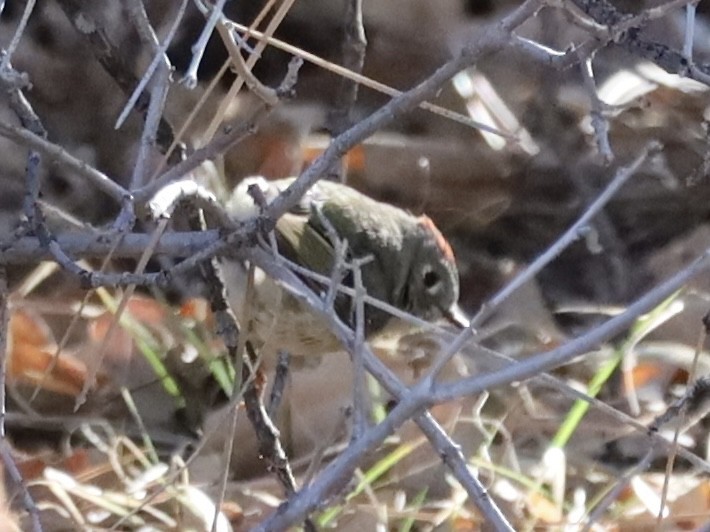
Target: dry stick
198	49
624	30
353	50
158	97
602	34
277	388
359	376
689	29
37	223
26	137
604	13
208	91
10	50
367	82
32	210
274	23
5	452
228	331
159	56
232	134
599	121
270	446
113	61
264	93
697	386
89	244
217	146
135	11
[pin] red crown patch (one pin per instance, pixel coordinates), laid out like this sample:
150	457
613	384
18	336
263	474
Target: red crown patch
440	240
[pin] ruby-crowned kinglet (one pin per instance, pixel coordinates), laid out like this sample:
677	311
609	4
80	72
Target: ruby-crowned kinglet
411	266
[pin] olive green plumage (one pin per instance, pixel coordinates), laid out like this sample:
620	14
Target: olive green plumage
411	266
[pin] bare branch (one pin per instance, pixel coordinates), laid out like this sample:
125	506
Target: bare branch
26	137
159	56
19	31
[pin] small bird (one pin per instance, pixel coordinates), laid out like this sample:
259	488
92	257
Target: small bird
408	264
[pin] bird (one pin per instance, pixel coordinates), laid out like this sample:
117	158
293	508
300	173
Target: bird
405	262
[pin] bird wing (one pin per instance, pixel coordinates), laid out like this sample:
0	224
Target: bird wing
303	244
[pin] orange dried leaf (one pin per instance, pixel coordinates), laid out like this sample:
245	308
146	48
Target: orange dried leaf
28	329
62	374
75	464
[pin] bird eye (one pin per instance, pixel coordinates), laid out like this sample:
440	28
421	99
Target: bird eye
431	279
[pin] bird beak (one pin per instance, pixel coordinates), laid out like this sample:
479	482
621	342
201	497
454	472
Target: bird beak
456	317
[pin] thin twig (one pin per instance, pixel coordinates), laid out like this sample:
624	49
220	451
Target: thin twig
89	244
266	94
135	11
198	49
25	137
353	51
159	56
571	235
232	134
365	81
21	26
158	97
274	23
359	376
599	121
277	388
689	29
8	460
